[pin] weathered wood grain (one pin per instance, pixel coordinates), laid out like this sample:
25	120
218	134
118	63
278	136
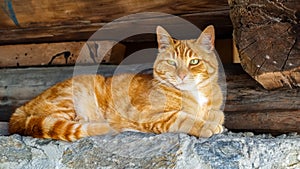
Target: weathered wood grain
275	122
245	94
90	52
64	53
267	36
248	105
82	32
38	13
65	20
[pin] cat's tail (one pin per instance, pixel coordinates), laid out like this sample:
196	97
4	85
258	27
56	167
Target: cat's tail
53	127
17	122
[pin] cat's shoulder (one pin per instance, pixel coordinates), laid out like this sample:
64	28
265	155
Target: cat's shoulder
134	76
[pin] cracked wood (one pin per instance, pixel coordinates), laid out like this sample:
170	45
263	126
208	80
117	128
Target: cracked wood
64	53
267	35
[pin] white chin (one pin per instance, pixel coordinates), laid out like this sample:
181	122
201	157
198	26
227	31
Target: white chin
185	87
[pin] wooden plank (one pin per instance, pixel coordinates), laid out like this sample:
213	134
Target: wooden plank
245	98
245	95
267	37
65	20
64	53
41	13
275	122
82	32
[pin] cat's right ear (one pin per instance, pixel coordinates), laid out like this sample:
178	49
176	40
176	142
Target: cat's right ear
164	40
207	38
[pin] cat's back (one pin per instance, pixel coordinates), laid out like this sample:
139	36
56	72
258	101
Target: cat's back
87	83
130	83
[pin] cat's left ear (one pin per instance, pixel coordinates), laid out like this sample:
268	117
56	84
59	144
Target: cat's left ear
207	38
164	40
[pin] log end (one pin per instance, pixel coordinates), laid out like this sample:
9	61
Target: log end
273	80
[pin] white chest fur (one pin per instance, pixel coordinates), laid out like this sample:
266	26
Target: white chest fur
199	97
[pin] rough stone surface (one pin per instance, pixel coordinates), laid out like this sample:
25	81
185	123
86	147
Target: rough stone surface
138	150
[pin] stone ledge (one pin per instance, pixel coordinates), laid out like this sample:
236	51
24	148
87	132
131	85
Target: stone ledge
138	150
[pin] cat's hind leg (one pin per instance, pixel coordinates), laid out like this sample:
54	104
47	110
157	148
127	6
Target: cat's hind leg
60	126
68	130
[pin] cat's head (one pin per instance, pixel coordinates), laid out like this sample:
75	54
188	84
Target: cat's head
185	64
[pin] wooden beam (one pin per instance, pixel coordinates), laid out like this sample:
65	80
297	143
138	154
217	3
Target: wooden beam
267	37
275	122
82	32
248	106
246	95
66	20
69	12
64	53
90	52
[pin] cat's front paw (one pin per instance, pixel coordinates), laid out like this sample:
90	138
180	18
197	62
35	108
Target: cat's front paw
210	128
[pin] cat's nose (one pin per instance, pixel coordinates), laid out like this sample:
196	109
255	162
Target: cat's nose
182	75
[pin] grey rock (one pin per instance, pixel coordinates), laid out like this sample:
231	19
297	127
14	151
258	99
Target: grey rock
139	150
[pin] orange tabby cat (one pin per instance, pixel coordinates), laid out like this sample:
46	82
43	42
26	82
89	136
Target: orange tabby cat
182	95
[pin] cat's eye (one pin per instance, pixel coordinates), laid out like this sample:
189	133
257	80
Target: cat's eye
194	62
171	62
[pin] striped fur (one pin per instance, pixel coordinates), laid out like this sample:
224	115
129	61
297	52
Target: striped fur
182	96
